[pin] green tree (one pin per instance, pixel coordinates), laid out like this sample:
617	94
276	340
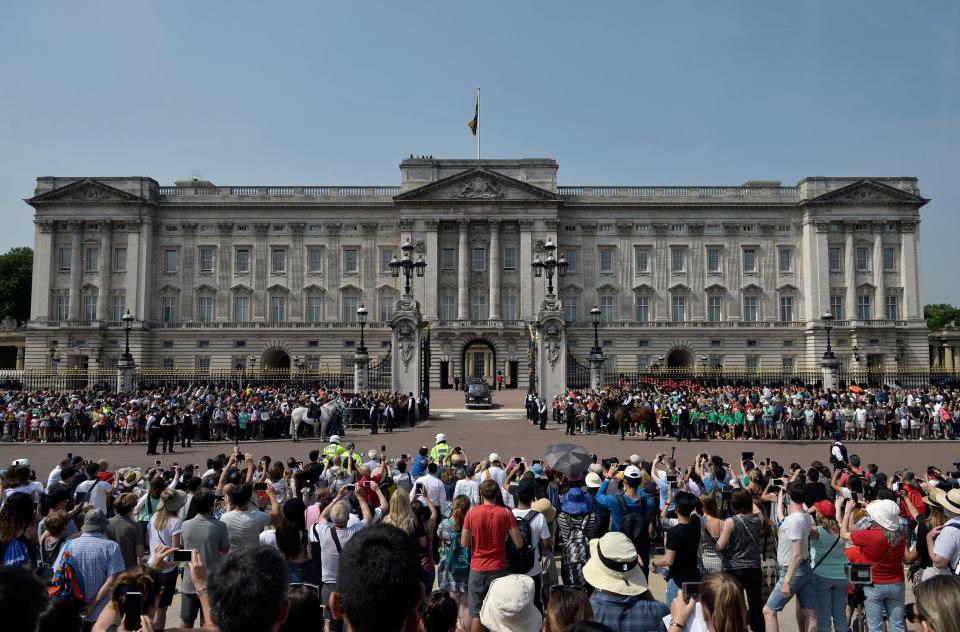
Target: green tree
16	280
939	315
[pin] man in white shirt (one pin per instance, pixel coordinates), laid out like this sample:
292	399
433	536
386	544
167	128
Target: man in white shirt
494	470
793	556
244	523
433	488
99	491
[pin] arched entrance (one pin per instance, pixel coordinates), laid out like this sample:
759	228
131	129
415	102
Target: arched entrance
679	359
479	359
276	359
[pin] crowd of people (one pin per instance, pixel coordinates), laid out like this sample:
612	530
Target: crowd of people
164	417
443	541
791	412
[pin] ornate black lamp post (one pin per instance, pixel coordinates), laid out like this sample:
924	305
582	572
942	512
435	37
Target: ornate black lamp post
550	264
408	266
362	319
827	319
127	319
595	316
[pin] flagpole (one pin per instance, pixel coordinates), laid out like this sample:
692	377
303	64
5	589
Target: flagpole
478	122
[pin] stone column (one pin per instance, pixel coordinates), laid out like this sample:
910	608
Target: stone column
881	299
850	273
332	272
661	273
494	265
697	273
525	272
44	267
104	306
830	367
76	267
596	369
406	323
132	275
734	272
188	268
551	351
295	311
432	257
260	308
225	264
146	269
21	355
361	371
910	270
463	273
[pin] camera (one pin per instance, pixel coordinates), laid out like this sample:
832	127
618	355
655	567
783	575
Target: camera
183	555
260	487
860	574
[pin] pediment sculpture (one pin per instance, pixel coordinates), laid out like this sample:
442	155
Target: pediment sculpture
480	188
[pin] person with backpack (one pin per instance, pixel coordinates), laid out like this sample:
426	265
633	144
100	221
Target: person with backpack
18	545
485	530
87	567
577	525
535	534
629	511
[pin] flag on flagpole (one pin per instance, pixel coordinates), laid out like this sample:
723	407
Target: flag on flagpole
474	123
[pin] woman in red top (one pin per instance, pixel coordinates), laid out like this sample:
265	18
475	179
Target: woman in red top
882	546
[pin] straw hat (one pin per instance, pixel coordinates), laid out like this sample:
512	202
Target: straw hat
614	566
545	508
951	501
508	606
131	477
172	500
593	480
935	499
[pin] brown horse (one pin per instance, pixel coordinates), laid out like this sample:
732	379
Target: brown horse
641	414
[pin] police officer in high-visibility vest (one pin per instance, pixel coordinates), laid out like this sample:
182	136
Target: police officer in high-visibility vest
441	450
334	449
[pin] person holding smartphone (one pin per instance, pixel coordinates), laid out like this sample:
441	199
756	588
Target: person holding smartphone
164	530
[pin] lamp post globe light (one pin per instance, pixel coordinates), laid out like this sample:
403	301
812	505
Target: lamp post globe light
362	319
827	319
595	317
408	266
127	320
549	265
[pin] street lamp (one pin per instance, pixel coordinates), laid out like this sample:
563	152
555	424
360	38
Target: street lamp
856	353
127	319
408	266
595	316
703	362
901	353
252	362
54	358
550	264
827	318
362	319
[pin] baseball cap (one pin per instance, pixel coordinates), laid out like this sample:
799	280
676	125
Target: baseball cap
826	508
635	459
493	457
632	471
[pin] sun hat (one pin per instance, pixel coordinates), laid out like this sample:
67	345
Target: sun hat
172	500
885	513
935	498
632	471
635	459
593	480
131	477
576	502
537	470
545	508
826	508
509	607
614	565
951	501
94	521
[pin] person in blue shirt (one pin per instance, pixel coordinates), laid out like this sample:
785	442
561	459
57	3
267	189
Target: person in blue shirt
634	498
420	463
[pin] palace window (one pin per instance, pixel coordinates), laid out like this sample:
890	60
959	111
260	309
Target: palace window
169	261
713	260
314	309
91	259
278	261
63	307
677	259
891	307
315	260
785	256
753	361
206	259
64	258
678	308
204	308
448	307
509	306
350	309
119	259
242	261
278	309
570	309
607	309
478	307
479	259
241	308
786	308
749	260
386	256
889	260
643	309
509	258
606	261
863	259
119	305
750	309
386	308
448	260
713	308
169	309
350	261
641	260
836	259
571	262
864	311
90	307
836	306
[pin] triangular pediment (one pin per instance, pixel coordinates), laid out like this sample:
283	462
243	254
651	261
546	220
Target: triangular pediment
643	287
277	288
169	289
87	191
752	288
313	288
478	185
868	193
679	287
203	287
241	288
787	287
608	288
350	287
716	287
387	288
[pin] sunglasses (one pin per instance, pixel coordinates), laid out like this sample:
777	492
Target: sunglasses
912	612
312	587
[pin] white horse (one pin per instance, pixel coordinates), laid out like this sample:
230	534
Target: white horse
301	414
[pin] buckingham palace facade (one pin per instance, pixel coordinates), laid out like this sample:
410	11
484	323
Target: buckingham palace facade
220	276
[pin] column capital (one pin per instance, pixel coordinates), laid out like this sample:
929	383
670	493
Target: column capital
297	228
432	225
334	229
463	223
189	228
46	225
406	224
261	229
369	228
494	222
909	226
526	224
225	228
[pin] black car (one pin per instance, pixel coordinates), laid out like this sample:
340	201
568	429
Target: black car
478	394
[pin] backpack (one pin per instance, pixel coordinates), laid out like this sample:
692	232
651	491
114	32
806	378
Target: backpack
16	552
456	559
45	564
634	524
520	560
576	552
67	582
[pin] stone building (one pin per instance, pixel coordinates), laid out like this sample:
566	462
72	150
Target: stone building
736	276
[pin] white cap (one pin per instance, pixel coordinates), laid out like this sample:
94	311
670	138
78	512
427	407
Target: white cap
632	471
592	480
335	439
635	459
21	462
441	437
372	453
493	457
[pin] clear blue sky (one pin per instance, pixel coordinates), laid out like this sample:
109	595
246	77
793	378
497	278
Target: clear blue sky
638	92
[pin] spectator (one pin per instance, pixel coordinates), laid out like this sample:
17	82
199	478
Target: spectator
577	525
384	557
937	607
164	531
681	546
633	500
125	531
740	542
248	593
96	491
539	534
944	542
17	542
454	560
793	555
98	560
721	606
509	605
332	534
621	599
51	541
829	569
440	614
567	604
485	530
245	521
433	487
305	608
290	537
209	536
147	581
22	599
882	547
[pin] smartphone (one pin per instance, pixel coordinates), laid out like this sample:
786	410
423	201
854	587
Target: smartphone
746	456
350	487
157	462
183	555
673	451
132	610
691	590
259	487
537	461
366	484
774	489
777	481
419	488
383	448
860	574
82	497
622	467
854	496
404	456
671	478
69	456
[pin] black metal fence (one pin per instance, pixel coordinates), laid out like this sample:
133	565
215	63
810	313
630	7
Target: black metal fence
380	376
906	377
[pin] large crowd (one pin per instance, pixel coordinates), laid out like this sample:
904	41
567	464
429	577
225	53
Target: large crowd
442	541
787	412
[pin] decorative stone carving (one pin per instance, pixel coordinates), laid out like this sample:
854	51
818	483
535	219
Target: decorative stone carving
432	225
768	229
46	225
909	225
695	228
297	228
661	229
8	324
480	188
822	227
588	228
406	343
90	193
369	228
551	341
261	229
625	229
526	224
552	225
188	228
406	224
731	228
225	228
420	247
334	229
